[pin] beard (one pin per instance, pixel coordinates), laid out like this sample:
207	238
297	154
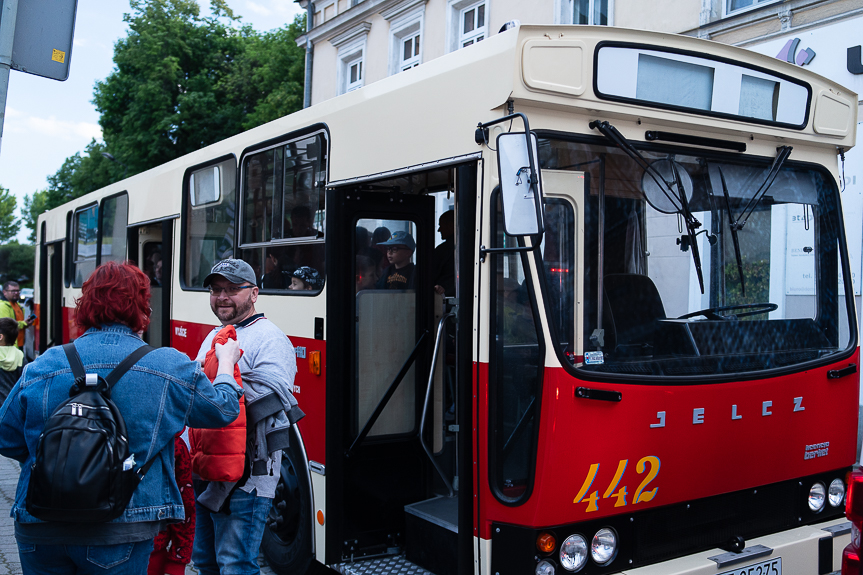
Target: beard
229	312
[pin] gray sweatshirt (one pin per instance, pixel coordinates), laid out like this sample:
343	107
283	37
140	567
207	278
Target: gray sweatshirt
268	367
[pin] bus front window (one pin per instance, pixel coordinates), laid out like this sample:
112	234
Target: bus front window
769	263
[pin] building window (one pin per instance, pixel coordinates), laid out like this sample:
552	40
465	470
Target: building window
406	34
732	6
467	23
472	24
351	45
410	52
354	74
598	12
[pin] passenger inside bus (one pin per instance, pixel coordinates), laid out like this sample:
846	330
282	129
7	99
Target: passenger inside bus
274	277
400	274
367	272
379	253
443	258
305	278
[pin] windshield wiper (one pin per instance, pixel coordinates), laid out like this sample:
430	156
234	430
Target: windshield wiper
782	154
678	200
734	237
737	224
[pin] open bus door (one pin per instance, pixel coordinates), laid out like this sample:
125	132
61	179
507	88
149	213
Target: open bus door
151	248
376	463
50	322
403	386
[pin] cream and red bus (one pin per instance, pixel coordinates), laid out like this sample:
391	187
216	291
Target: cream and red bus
645	356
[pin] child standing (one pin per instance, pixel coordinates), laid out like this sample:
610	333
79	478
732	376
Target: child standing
11	358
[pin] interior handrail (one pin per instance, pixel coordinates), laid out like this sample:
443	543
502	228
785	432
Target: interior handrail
438	339
385	399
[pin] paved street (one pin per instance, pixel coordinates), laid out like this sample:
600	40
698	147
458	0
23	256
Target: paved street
9	563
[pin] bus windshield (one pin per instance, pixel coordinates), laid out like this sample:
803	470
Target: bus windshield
693	267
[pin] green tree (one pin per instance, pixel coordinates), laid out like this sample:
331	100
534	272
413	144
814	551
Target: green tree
34	205
17	263
162	101
181	82
268	76
9	225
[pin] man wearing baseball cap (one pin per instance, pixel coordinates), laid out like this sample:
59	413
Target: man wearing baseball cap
228	540
400	273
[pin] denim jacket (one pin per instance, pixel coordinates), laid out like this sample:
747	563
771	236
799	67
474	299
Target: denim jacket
158	396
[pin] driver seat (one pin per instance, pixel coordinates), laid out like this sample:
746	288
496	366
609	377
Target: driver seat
634	307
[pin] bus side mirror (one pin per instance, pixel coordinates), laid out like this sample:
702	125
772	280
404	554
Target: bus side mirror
521	190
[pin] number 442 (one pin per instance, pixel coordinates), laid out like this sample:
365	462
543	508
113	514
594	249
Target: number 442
650	464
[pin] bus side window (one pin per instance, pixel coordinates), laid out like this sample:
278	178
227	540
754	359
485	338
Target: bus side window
115	218
281	236
84	244
208	220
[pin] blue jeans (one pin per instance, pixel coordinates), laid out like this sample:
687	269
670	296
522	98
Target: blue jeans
228	544
121	559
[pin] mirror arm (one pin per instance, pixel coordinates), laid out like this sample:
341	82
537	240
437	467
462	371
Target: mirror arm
484	250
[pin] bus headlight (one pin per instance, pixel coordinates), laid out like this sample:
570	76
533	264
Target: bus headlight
603	548
545	568
816	497
573	553
836	492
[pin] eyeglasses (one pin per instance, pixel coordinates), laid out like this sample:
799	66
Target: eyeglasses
230	291
13	291
394	249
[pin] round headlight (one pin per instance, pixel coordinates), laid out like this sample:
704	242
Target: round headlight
573	553
544	568
603	548
816	497
836	492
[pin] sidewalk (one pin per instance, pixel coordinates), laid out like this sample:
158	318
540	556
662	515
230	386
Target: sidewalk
9	563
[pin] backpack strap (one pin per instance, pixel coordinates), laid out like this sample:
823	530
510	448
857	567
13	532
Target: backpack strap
126	364
74	361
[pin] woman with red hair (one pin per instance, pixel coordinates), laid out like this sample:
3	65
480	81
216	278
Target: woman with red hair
160	395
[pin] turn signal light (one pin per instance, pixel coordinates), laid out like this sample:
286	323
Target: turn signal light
315	362
545	543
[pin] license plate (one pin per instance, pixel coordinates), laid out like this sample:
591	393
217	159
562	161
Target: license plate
769	567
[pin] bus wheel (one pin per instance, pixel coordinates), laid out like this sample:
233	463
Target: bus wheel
287	541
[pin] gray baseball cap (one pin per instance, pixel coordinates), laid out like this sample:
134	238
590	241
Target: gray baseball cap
235	271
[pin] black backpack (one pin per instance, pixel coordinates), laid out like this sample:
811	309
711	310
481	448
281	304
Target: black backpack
84	471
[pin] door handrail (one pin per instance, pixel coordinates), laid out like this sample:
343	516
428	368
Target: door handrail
440	327
385	399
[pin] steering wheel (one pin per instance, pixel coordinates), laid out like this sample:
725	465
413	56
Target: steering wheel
713	312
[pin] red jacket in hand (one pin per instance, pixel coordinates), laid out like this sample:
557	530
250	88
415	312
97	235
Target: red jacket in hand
220	454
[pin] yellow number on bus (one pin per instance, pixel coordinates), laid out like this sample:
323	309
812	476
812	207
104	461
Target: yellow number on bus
642	496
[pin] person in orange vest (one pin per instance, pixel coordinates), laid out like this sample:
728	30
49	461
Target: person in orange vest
9	307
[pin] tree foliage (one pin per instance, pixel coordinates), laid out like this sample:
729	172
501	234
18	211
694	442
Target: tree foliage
9	225
182	81
16	263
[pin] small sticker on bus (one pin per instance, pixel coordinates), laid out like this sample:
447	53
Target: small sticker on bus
593	358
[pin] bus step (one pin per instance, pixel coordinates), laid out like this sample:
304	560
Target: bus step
393	564
431	534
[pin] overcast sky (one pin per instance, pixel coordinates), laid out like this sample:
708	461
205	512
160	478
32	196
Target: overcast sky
48	121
